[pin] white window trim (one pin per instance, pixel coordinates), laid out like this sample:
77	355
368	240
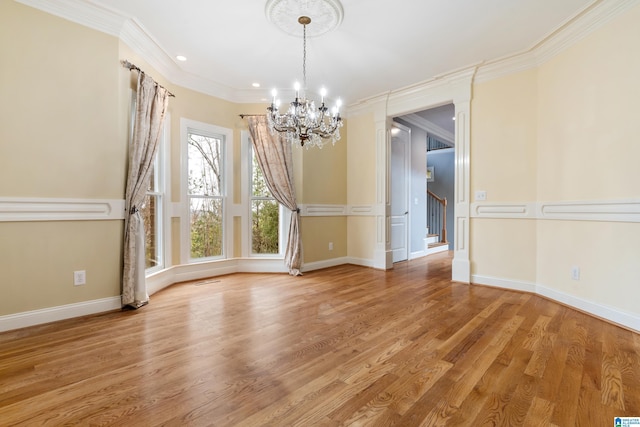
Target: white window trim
164	179
227	220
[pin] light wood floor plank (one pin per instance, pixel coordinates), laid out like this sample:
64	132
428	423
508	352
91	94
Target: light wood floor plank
342	346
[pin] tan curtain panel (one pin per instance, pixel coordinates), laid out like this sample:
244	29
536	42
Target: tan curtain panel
275	159
151	106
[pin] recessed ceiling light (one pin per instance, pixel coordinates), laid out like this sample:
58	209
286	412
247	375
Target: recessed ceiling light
453	118
255	84
181	58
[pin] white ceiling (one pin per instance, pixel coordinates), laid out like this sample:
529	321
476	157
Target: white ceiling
379	46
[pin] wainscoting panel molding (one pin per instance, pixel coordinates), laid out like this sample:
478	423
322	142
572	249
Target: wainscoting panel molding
503	210
596	210
323	210
341	210
39	209
591	210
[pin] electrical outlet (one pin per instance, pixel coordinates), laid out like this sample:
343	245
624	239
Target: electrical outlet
575	273
330	246
481	195
79	278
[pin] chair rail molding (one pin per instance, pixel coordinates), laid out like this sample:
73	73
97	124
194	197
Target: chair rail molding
16	209
625	210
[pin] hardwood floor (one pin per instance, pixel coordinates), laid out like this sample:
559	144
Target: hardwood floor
342	346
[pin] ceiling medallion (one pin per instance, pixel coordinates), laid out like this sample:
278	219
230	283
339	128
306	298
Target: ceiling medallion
326	15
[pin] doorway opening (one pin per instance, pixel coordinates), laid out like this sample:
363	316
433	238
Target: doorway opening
429	196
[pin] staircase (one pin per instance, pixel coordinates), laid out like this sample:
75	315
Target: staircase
437	220
433	245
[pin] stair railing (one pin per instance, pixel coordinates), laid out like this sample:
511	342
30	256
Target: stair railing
437	214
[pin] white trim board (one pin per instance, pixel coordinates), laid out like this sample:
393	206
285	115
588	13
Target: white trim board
59	209
318	209
62	312
610	314
626	210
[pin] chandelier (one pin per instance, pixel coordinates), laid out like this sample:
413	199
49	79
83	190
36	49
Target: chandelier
303	121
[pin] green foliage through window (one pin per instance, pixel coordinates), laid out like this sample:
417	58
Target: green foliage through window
265	214
205	184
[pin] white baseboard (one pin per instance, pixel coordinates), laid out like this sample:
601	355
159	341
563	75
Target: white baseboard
53	314
514	285
622	318
363	262
418	254
182	273
317	265
617	316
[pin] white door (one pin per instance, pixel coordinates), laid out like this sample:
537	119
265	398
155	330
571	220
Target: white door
400	156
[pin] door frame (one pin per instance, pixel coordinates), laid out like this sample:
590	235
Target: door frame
453	88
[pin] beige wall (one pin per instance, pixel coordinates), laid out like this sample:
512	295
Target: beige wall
361	160
503	153
361	185
318	232
565	131
60	128
324	178
60	137
588	150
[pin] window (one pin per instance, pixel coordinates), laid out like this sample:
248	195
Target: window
152	209
205	193
152	214
265	214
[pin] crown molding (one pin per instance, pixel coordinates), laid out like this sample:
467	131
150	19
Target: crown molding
96	16
562	37
431	128
581	25
85	13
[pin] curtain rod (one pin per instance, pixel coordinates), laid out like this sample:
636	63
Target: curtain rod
130	66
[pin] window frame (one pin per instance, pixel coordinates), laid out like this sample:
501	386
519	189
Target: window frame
188	126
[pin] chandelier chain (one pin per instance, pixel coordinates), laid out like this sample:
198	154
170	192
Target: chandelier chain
304	58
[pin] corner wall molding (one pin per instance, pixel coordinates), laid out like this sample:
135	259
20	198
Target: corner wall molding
627	210
16	209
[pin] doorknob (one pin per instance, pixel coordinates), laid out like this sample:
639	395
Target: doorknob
406	212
